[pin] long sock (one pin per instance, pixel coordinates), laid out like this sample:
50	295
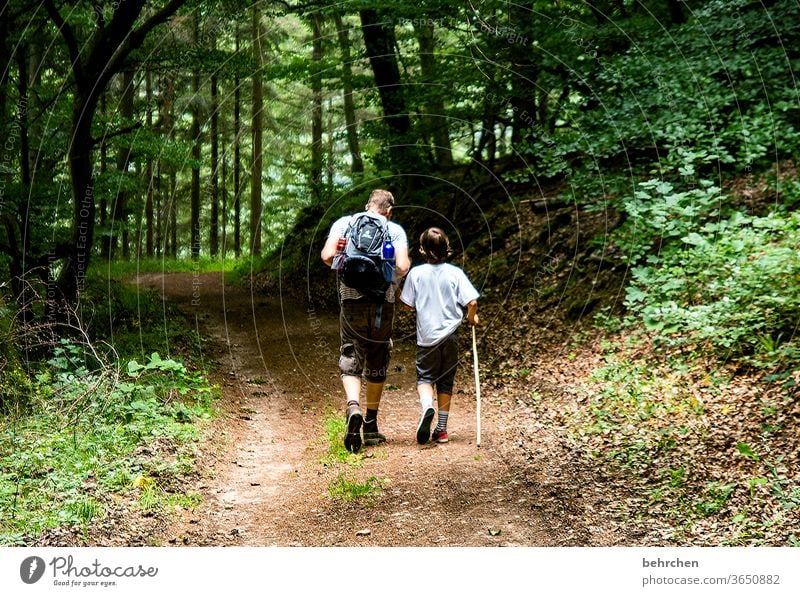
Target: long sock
442	424
426	403
372	418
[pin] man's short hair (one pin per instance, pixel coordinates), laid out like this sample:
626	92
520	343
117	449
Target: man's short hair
381	199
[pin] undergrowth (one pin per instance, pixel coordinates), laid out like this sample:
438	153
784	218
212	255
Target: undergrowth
654	421
345	486
92	434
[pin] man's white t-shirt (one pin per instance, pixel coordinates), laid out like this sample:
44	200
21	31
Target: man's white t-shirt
399	240
439	293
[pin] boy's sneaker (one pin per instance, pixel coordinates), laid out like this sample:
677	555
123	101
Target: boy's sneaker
352	436
440	436
424	428
371	434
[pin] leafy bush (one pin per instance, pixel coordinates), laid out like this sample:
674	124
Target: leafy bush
658	213
714	96
82	439
734	285
134	321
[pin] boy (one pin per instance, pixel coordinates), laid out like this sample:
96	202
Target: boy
439	292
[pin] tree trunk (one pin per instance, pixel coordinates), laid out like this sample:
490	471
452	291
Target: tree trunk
24	144
103	170
213	237
73	273
93	64
676	13
24	154
258	107
436	122
356	163
9	222
223	192
165	198
173	214
148	205
195	194
120	210
158	206
237	136
316	108
380	42
524	75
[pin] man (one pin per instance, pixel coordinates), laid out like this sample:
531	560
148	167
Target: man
366	329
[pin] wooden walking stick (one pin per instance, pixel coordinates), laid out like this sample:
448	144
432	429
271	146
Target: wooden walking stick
477	385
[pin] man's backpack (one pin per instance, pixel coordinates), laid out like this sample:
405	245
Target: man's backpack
363	267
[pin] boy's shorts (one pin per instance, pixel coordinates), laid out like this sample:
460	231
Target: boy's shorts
436	365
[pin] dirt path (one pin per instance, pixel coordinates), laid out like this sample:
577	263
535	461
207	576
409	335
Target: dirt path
264	482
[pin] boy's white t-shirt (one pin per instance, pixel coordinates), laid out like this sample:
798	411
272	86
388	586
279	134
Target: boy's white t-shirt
439	293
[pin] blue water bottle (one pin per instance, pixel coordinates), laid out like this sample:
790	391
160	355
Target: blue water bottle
388	260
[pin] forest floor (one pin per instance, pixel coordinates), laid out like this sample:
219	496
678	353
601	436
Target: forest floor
266	476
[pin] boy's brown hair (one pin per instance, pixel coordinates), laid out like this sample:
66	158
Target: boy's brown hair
434	245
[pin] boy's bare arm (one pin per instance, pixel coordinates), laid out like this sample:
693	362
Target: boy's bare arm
403	304
472	313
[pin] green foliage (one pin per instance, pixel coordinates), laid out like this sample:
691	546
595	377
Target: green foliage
351	490
733	285
715	497
134	321
59	469
712	97
638	410
335	427
658	213
126	270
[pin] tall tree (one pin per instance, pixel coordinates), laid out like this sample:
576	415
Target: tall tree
94	61
524	71
196	153
257	131
356	162
149	174
223	195
380	43
213	235
24	156
237	158
119	217
103	170
435	120
316	107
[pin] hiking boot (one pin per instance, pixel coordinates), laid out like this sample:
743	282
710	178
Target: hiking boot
371	434
424	428
440	436
352	436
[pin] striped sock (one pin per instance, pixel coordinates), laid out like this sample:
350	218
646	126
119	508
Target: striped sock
442	424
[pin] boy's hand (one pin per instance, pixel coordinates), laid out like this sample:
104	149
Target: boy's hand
472	313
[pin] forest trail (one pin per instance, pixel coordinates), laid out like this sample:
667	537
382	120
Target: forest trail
262	474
